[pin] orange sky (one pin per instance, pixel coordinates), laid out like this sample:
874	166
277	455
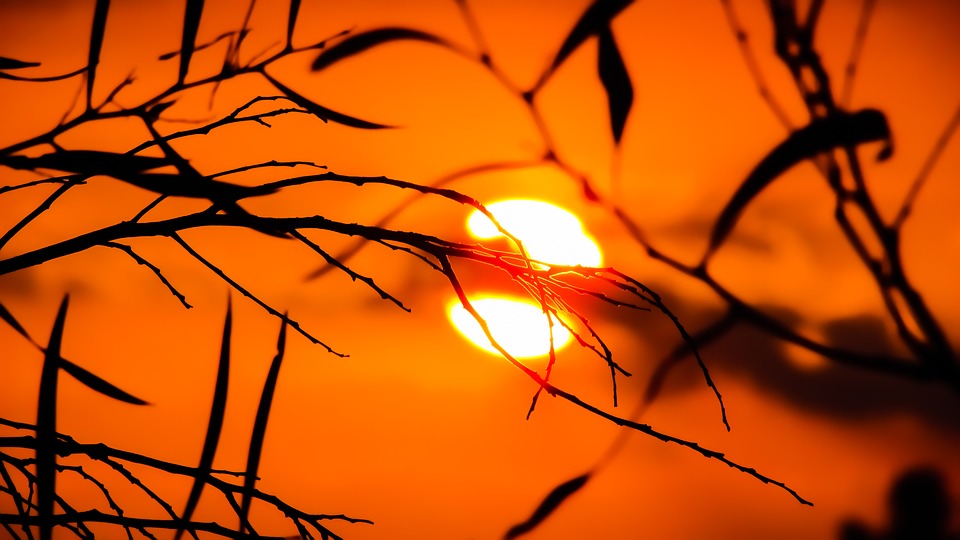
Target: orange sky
417	430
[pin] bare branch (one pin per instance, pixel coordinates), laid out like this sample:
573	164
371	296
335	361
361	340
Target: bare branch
140	260
239	288
853	60
927	168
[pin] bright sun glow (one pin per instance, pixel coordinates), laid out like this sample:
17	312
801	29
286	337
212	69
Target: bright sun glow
549	233
519	326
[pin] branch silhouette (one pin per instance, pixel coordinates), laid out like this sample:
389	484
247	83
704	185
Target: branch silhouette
830	138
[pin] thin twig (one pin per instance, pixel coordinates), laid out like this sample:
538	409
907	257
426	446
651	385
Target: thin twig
366	280
153	268
850	72
242	290
743	42
928	165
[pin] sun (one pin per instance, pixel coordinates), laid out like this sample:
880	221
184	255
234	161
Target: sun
549	234
519	326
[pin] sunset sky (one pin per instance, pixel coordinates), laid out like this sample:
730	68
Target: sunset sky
418	429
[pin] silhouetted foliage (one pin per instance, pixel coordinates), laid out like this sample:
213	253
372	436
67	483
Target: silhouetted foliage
919	510
831	131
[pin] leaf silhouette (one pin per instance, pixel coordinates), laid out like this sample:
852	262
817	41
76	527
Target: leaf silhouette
214	426
616	82
87	378
292	21
129	168
320	111
89	162
823	135
98	384
175	185
358	43
592	22
47	425
97	31
13	322
13	63
547	507
191	23
260	427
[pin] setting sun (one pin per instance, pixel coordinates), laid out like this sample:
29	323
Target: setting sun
549	233
519	326
451	269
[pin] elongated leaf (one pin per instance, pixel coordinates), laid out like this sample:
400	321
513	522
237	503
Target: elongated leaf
191	23
97	31
91	162
87	378
592	22
322	112
616	81
6	76
12	63
98	384
224	195
214	427
292	21
19	501
129	168
358	43
47	425
838	130
260	427
13	322
547	507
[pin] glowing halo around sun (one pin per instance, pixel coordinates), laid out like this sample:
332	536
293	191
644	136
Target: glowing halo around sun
549	234
519	326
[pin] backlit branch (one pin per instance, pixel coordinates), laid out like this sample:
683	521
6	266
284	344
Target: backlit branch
548	284
67	446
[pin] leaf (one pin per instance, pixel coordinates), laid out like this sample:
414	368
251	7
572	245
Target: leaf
97	31
47	425
6	76
616	81
322	112
12	63
98	384
593	21
85	377
130	168
547	507
292	21
359	43
260	427
13	322
89	162
823	135
214	427
191	23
